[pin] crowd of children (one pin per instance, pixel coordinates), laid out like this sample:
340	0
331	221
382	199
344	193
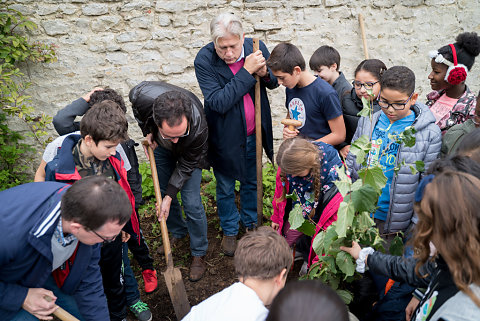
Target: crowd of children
445	232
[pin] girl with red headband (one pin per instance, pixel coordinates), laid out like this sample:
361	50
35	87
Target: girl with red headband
452	102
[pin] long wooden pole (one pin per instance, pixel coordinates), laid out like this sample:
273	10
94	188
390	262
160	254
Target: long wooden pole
258	136
364	39
61	313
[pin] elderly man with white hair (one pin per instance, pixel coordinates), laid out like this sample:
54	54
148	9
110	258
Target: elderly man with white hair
225	70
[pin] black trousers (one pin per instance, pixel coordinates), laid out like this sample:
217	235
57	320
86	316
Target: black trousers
140	252
111	268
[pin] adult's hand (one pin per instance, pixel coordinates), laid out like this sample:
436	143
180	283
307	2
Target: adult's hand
354	251
153	144
164	210
275	226
254	62
36	304
89	94
287	133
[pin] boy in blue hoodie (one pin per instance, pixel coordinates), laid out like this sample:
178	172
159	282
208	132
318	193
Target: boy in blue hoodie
399	110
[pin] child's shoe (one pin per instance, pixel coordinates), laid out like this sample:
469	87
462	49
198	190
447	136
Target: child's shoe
150	280
141	311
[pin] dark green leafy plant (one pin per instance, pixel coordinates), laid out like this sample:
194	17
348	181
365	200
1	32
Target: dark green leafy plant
15	52
336	267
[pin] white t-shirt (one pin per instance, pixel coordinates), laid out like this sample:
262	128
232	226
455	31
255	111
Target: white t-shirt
52	149
238	302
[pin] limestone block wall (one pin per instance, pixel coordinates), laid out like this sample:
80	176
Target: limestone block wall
121	43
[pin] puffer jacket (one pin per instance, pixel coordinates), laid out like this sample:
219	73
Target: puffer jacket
442	301
404	184
190	151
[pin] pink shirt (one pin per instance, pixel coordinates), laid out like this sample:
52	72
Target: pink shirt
248	105
441	109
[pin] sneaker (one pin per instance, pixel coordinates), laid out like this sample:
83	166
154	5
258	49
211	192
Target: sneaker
229	244
197	269
141	311
150	280
303	269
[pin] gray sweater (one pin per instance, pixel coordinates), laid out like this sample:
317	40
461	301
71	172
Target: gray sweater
404	184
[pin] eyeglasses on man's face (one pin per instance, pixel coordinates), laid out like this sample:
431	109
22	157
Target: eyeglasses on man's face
366	85
175	137
397	106
106	240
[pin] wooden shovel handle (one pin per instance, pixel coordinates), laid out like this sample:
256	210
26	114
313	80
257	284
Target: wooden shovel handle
158	198
61	313
364	38
258	141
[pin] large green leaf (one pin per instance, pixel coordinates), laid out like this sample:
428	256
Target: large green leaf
366	110
396	247
345	215
360	148
407	137
323	240
345	263
364	199
420	166
307	228
296	217
346	296
330	262
344	182
374	177
364	221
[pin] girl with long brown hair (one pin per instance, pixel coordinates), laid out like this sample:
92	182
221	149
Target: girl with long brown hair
447	249
308	170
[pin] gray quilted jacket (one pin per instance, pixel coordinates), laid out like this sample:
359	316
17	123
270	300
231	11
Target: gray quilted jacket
427	148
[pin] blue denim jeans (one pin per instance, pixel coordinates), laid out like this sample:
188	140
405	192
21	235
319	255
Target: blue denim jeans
130	283
65	301
196	220
227	210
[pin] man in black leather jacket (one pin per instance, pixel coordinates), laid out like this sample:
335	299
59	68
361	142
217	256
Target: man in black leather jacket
173	121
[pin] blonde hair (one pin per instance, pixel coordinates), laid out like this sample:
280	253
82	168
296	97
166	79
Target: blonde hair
449	217
297	155
262	254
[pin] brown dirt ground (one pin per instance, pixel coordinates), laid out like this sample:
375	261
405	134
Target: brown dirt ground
219	275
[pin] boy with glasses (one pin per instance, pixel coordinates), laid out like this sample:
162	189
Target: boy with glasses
174	124
399	111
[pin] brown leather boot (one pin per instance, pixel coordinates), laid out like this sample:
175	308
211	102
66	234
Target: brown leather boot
229	244
198	268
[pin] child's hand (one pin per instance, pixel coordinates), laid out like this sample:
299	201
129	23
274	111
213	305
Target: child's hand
86	97
344	151
411	307
287	133
354	251
125	237
275	226
255	62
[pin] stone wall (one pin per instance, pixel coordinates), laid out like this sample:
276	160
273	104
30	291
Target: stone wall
121	43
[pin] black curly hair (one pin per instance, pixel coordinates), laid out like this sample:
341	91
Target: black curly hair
107	94
467	46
